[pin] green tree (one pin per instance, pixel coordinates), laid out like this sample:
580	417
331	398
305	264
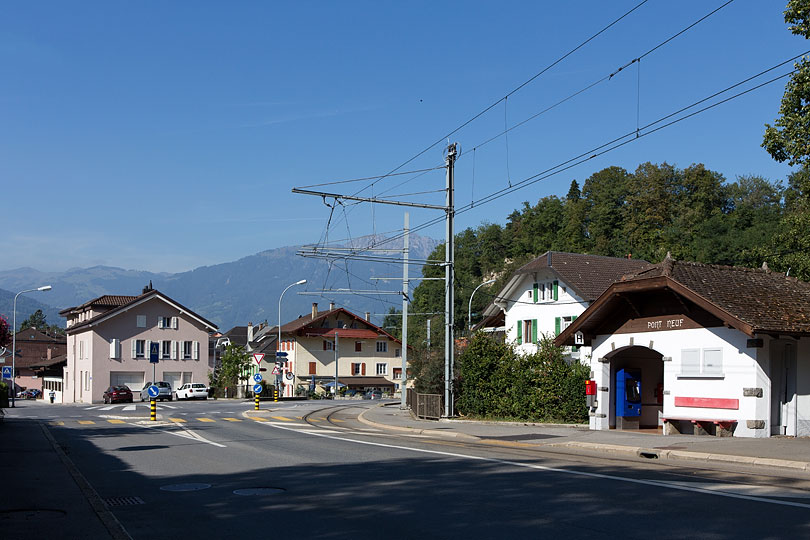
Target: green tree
231	370
789	138
605	196
35	320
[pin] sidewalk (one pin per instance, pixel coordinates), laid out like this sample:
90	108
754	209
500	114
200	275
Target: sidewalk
49	498
781	452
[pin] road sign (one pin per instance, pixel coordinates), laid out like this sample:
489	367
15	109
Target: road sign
258	357
281	354
257	377
6	372
153	391
257	389
276	370
154	352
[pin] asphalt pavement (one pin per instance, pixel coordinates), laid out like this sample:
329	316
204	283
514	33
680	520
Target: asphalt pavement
786	453
51	499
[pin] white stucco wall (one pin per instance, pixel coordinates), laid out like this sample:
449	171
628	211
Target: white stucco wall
521	306
741	369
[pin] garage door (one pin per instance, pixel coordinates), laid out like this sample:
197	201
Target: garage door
133	379
174	378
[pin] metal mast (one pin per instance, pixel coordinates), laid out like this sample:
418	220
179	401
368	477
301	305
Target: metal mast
449	262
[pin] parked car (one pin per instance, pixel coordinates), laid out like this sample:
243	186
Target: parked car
372	394
164	391
116	394
192	391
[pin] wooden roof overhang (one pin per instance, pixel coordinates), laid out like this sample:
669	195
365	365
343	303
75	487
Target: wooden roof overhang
639	298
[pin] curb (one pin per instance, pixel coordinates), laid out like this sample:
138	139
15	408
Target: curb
653	453
416	431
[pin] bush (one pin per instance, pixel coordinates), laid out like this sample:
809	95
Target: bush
496	381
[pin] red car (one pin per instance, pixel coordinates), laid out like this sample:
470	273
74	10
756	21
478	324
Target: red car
115	394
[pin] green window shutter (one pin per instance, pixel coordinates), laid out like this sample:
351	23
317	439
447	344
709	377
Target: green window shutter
535	337
535	293
556	324
573	318
556	290
520	332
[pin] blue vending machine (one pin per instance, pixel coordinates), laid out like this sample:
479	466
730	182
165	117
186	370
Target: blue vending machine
628	398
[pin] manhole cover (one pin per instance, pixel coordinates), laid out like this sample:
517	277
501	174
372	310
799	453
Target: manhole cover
185	487
123	501
258	491
25	515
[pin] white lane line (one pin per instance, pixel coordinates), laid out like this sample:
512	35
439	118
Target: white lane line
108	408
653	483
129	408
91	408
183	432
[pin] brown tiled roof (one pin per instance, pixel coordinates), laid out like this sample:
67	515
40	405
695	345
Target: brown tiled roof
107	300
765	300
301	322
588	275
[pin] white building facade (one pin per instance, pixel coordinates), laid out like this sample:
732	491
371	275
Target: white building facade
711	357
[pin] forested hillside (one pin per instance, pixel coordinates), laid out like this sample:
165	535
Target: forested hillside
693	213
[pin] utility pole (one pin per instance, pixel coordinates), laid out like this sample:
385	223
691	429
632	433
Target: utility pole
405	299
449	261
336	365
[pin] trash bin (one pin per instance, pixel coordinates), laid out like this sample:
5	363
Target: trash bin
52	395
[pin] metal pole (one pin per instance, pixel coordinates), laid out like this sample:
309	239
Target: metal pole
336	364
14	342
405	298
448	284
428	335
469	308
278	343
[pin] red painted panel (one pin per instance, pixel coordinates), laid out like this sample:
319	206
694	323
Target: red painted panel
707	403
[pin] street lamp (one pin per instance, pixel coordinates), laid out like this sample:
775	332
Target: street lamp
14	341
469	308
278	344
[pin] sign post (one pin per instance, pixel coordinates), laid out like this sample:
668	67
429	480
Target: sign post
154	354
281	358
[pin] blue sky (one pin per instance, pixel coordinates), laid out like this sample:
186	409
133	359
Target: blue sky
168	135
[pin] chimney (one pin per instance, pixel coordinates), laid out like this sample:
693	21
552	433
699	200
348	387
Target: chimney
49	353
250	332
368	315
331	306
314	309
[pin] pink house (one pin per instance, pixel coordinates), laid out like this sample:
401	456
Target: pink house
109	340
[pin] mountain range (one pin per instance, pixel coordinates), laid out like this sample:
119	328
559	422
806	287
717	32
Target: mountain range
227	294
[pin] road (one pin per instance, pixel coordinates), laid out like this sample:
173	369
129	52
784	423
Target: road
216	469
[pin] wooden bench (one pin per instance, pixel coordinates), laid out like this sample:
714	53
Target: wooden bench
718	428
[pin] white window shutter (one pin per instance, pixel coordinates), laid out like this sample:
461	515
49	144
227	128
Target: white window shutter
146	346
174	350
174	323
196	353
134	347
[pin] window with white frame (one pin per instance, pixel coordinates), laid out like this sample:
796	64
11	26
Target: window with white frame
167	322
549	292
527	331
697	362
328	345
566	322
398	353
166	349
397	373
382	369
357	369
139	349
140	321
187	348
382	346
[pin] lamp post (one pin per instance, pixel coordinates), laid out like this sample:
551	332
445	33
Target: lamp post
469	308
14	341
278	344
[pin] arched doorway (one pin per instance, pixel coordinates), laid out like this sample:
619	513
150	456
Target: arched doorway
649	363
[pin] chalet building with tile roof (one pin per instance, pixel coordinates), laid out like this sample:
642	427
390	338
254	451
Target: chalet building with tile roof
700	349
544	296
38	355
109	340
367	356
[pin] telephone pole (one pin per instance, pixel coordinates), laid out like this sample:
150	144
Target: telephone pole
449	261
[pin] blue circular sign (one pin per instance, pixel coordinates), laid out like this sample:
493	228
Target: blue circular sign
153	391
257	377
257	389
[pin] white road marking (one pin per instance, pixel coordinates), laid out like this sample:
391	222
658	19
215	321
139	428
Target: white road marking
129	408
653	483
182	432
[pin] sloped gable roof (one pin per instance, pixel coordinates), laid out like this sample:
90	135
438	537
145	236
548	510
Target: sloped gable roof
301	323
134	301
587	275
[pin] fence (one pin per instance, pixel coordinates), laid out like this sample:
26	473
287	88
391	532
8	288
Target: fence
425	405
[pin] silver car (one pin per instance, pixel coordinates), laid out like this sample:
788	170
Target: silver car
164	391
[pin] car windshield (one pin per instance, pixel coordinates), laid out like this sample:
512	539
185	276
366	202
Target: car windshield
164	385
120	389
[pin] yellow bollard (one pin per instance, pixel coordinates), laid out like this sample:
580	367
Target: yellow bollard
257	402
152	410
275	394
